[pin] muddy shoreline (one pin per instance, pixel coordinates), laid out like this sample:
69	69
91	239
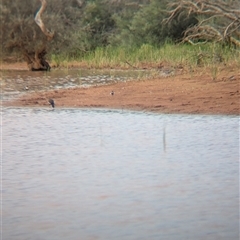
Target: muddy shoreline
193	93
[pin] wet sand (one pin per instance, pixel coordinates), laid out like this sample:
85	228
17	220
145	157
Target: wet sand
195	93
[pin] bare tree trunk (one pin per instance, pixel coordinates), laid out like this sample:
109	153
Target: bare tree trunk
36	60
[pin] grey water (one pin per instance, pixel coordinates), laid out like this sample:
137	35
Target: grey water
16	82
102	174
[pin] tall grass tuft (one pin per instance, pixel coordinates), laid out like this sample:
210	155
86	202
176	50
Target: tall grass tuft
207	55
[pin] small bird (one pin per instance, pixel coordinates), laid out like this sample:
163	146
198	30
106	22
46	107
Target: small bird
232	78
112	93
26	88
51	101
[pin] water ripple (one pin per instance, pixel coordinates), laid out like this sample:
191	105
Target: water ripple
105	174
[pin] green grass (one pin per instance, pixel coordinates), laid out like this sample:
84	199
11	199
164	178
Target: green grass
187	55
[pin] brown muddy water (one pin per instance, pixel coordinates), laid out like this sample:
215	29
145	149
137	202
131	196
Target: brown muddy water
101	174
15	82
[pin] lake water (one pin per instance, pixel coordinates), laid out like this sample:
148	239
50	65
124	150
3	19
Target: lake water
16	82
101	174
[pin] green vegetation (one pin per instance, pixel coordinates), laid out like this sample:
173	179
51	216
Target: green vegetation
152	56
125	33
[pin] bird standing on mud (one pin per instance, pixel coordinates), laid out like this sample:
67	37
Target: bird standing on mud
51	101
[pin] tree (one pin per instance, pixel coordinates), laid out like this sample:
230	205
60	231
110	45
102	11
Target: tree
145	25
26	32
218	20
97	24
36	60
21	35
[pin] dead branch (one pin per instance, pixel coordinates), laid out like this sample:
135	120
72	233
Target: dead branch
36	59
220	20
39	22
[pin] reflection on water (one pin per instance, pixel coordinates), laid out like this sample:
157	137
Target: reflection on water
16	82
98	174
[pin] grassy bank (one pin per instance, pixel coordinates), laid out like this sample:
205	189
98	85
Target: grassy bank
148	56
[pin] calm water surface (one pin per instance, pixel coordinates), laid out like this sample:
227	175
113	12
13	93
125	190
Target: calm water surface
15	82
100	174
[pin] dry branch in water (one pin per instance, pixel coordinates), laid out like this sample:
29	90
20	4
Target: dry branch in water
219	20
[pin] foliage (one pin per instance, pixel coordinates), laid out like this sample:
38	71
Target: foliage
82	28
175	55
